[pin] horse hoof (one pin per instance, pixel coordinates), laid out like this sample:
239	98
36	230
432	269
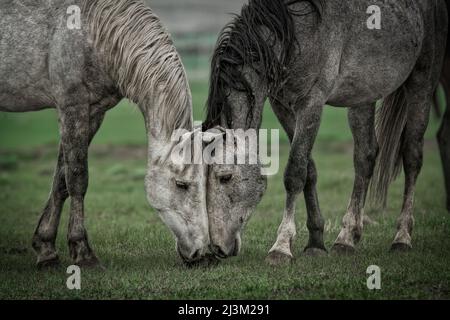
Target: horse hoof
48	263
400	247
343	249
315	252
276	258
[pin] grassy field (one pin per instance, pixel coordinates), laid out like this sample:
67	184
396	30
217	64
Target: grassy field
138	250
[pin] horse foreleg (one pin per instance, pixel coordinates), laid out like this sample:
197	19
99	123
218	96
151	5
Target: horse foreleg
315	221
78	127
362	123
306	128
444	146
47	228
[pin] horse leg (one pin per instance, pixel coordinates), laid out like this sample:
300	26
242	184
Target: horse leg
78	126
306	128
315	222
444	146
362	124
416	125
47	228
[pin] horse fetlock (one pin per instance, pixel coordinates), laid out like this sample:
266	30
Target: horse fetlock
287	231
405	223
316	240
46	253
352	229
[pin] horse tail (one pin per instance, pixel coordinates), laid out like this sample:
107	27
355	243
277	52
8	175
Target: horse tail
390	124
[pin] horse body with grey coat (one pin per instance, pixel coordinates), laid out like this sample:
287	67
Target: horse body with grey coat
303	55
120	50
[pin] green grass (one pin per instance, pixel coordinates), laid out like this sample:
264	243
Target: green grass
138	250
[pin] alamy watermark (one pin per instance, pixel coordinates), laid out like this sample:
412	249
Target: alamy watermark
374	280
74	280
374	21
74	18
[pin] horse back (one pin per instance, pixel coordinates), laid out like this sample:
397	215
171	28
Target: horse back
364	62
26	28
41	59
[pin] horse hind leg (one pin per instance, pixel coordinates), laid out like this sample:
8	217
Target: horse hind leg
362	123
420	88
419	106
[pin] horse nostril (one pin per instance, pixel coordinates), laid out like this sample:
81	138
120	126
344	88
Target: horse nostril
216	250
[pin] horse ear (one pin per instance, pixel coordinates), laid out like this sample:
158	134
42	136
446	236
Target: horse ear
212	135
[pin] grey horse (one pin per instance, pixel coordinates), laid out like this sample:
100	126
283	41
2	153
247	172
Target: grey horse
82	57
302	55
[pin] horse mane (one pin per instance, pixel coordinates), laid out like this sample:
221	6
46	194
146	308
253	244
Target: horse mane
243	42
141	57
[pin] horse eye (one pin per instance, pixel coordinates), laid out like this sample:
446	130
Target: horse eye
226	178
182	185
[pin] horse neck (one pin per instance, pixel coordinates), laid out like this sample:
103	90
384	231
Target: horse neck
139	56
159	141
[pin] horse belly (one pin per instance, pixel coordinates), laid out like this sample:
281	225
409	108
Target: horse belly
376	62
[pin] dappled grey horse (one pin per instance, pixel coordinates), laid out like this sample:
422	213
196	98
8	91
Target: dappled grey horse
118	49
303	55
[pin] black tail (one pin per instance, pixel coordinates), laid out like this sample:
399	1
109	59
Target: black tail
390	125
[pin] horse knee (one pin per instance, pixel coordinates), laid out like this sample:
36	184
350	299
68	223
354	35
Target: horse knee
77	179
295	180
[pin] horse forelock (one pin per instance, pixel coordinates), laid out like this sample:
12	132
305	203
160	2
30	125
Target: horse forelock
141	57
243	43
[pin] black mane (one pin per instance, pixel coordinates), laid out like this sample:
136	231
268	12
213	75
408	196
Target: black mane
242	43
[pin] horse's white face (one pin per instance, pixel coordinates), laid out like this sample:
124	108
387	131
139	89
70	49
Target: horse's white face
234	191
178	193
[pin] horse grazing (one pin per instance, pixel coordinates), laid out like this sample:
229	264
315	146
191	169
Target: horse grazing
303	55
120	50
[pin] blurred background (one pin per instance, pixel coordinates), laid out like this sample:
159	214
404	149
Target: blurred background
194	25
